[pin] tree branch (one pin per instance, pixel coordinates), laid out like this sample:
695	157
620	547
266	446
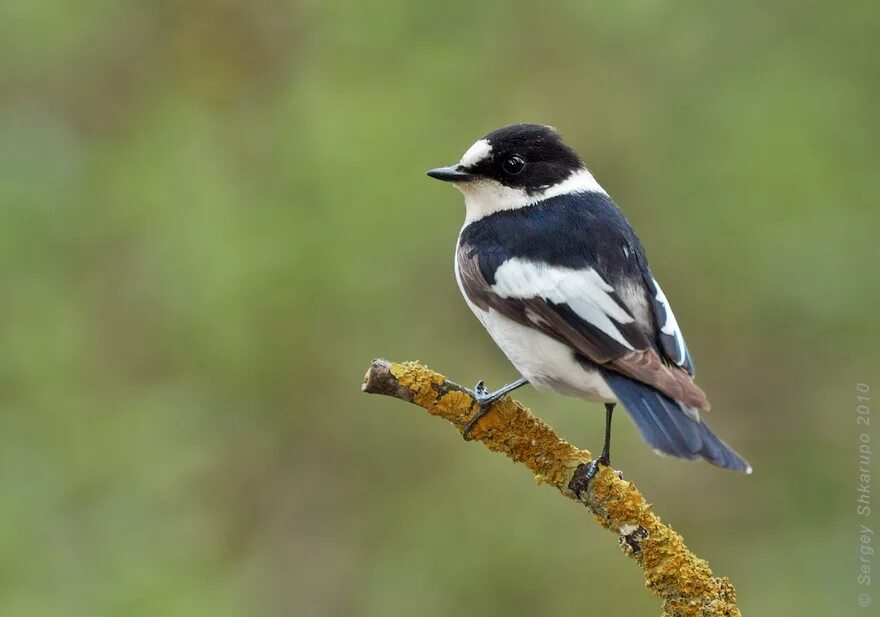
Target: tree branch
683	581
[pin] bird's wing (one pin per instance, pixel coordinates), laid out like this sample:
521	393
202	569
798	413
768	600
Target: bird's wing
669	333
580	308
561	285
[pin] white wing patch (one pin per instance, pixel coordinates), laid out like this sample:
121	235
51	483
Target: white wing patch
583	290
476	153
671	326
635	301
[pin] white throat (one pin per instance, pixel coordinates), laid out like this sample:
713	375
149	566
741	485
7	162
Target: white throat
485	197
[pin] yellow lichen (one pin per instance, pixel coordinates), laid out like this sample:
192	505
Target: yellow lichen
672	572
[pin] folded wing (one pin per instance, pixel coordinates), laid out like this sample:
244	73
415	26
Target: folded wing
608	326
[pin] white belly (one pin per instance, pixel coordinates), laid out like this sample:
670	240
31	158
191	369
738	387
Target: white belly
544	361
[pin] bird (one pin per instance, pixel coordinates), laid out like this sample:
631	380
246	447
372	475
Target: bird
556	274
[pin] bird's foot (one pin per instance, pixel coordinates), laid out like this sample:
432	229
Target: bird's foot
585	473
485	400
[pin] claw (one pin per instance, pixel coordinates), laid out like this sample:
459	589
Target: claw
485	400
482	411
583	475
480	390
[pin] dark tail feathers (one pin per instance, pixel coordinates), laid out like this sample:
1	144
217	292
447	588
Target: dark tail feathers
666	426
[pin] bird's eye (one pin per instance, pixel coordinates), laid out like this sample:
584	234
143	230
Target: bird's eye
514	165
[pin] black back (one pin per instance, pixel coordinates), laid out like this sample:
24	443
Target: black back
574	231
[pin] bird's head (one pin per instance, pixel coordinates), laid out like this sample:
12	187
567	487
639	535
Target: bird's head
516	166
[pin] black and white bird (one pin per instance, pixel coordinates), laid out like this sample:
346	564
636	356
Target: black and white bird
556	274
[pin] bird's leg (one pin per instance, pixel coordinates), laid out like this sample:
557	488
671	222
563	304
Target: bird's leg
584	473
605	457
486	399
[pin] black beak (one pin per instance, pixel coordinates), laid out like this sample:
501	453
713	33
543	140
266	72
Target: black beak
450	174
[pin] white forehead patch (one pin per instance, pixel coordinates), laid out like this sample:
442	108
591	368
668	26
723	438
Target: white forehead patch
476	153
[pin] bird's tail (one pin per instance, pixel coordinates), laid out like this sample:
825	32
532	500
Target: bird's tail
669	428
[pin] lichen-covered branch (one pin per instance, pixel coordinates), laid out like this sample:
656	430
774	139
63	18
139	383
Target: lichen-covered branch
683	581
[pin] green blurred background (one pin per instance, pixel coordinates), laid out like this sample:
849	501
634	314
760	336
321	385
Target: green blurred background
214	214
